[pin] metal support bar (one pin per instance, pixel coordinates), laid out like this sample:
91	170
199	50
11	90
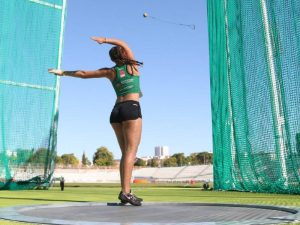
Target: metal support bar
47	4
8	82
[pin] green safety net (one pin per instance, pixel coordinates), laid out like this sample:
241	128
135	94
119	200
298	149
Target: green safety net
255	89
30	42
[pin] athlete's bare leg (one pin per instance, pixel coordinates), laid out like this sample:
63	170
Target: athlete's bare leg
132	130
118	128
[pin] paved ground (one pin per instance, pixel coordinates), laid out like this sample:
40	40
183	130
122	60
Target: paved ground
151	213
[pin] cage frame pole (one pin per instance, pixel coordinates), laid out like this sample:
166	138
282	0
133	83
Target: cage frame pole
53	133
229	95
279	119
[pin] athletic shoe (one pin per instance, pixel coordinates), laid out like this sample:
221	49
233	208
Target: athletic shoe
129	198
119	197
140	199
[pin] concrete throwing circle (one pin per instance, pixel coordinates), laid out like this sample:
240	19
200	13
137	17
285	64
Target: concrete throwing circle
151	213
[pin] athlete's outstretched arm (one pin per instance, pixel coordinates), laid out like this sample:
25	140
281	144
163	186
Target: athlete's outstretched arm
114	41
104	72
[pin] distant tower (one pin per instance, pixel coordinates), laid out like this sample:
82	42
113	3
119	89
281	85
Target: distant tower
162	152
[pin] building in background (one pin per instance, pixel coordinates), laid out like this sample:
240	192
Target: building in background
146	158
162	152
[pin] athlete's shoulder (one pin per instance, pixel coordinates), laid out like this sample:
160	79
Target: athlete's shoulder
108	71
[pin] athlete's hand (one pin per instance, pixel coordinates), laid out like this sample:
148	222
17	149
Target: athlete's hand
100	40
56	72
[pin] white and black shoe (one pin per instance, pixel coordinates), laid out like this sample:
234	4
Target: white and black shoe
140	199
129	198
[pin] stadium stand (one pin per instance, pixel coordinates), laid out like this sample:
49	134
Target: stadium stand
164	174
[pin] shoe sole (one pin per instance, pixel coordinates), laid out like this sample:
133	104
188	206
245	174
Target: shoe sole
125	202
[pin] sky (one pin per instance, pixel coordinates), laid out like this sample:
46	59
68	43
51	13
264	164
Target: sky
174	79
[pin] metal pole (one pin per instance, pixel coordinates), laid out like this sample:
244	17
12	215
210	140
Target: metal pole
276	94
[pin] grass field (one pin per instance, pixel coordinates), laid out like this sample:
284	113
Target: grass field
150	193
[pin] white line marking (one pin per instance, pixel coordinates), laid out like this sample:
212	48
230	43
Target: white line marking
8	82
47	4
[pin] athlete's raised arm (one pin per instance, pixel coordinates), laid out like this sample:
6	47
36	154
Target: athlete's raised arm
113	41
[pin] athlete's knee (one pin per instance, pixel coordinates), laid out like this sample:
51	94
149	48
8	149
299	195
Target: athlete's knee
129	156
131	152
129	162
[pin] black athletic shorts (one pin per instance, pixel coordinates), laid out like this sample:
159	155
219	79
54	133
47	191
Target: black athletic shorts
127	110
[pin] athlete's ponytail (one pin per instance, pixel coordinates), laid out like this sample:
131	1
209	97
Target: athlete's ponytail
117	53
131	62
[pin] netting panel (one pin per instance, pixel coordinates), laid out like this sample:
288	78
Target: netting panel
30	43
255	90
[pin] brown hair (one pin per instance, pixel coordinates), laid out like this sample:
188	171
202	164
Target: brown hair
117	53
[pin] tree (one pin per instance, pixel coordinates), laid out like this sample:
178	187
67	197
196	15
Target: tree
39	156
170	162
140	162
69	159
201	158
58	160
22	156
103	157
188	160
84	160
153	162
180	159
193	159
204	158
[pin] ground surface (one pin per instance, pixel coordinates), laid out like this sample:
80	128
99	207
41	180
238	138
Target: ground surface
150	193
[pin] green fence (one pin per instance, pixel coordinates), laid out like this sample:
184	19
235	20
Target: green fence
255	89
31	34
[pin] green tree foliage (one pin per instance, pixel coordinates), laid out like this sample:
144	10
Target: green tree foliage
19	156
103	157
23	156
140	162
193	159
188	160
58	160
39	156
69	159
84	160
205	157
200	158
180	159
153	162
170	162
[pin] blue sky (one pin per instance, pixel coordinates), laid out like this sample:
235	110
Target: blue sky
174	80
